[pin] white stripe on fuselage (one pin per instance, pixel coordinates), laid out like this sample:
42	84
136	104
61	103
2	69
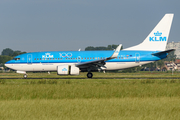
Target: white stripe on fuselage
53	66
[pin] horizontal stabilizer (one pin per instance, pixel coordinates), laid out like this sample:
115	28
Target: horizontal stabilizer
166	51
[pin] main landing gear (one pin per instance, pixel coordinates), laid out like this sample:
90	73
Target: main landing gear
25	76
89	75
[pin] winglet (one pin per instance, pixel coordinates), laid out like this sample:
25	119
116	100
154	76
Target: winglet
116	52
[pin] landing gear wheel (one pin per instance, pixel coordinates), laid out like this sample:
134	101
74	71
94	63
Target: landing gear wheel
25	76
89	75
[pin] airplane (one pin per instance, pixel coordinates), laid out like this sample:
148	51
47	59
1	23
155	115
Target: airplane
73	62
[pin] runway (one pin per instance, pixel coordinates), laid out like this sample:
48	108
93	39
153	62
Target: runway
131	78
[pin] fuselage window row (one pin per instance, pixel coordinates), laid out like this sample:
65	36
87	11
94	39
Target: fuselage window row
73	58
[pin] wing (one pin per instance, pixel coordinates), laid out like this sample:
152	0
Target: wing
99	63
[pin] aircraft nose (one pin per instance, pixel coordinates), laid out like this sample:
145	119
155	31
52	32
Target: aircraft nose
7	64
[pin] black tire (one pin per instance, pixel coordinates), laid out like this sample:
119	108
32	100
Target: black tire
25	76
89	75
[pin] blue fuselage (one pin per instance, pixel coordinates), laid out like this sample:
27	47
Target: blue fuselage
84	56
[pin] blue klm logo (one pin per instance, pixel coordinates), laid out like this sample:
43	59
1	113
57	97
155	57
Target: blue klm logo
157	37
64	69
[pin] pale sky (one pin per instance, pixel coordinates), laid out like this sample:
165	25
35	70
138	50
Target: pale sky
60	25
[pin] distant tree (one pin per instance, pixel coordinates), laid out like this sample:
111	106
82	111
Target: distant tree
7	51
15	53
100	48
171	56
114	46
89	48
109	47
160	64
10	52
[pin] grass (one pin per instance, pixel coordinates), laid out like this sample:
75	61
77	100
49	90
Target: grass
80	89
89	99
92	109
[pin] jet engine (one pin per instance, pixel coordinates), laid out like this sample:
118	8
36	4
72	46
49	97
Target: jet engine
67	70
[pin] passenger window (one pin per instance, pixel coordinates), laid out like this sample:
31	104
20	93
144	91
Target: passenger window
35	59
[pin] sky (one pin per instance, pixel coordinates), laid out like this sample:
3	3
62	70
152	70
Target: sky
66	25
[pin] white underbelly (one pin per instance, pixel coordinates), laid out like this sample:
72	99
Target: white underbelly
36	66
53	66
123	65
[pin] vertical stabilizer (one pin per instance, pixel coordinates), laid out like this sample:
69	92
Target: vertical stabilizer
157	39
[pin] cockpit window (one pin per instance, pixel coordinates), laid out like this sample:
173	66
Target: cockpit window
16	58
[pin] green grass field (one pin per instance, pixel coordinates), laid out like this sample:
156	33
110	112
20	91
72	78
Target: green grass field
89	99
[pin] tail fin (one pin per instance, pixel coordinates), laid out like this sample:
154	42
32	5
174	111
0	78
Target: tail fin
157	39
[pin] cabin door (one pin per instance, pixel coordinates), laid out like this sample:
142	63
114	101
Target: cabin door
29	59
79	59
137	58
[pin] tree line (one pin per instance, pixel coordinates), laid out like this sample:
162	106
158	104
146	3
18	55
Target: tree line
109	47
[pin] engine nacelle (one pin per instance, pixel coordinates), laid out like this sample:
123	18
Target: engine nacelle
74	70
67	70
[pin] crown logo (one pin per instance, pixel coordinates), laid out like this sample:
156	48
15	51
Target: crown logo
64	69
158	33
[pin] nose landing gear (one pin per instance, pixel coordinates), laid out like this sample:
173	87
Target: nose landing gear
25	76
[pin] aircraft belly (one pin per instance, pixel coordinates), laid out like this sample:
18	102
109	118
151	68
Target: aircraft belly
123	65
37	66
